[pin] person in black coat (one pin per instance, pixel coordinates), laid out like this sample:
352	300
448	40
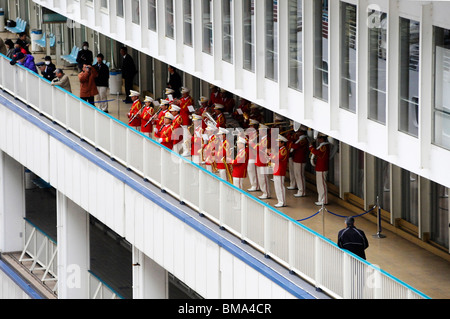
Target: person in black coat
175	82
47	71
353	239
84	56
102	82
128	72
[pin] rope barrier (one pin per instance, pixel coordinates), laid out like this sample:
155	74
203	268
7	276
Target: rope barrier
300	220
103	101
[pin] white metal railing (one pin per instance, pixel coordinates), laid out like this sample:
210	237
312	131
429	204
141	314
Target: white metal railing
100	290
301	250
40	253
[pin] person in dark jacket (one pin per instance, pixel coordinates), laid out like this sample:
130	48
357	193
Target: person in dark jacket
102	82
84	57
353	239
10	50
128	73
47	71
175	82
26	60
24	42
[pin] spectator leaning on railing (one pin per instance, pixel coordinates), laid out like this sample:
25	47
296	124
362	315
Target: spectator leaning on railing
62	80
9	48
88	88
27	60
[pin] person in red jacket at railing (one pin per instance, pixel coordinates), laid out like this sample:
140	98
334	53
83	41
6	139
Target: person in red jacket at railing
177	128
197	139
322	157
134	119
279	162
240	163
146	114
164	135
300	155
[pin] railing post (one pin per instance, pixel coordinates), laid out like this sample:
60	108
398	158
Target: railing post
318	263
378	234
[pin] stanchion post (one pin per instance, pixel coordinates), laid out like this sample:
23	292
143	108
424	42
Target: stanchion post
323	219
378	234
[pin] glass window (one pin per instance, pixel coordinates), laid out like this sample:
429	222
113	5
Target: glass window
377	65
135	14
439	214
357	172
409	76
207	15
271	14
348	57
295	45
383	184
249	34
169	19
410	197
187	24
152	15
442	87
227	30
104	4
321	49
119	8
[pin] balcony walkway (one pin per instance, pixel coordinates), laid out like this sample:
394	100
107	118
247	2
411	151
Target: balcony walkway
404	259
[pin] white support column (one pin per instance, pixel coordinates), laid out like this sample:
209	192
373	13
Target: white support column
283	54
237	45
217	39
362	70
308	58
150	280
334	27
426	85
73	249
392	84
260	46
12	204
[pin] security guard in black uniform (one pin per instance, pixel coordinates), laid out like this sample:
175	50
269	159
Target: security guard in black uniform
353	239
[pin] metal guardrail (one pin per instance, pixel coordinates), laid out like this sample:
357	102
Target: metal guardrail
301	250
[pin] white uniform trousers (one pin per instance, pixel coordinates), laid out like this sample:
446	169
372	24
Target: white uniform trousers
263	180
195	159
102	96
299	169
321	182
280	189
209	168
186	141
252	175
223	174
178	148
292	180
238	182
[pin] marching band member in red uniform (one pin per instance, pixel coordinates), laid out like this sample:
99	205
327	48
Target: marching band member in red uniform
220	117
197	139
262	161
227	101
186	109
300	151
215	97
240	163
222	152
146	114
252	133
159	121
133	114
322	155
291	137
164	135
279	164
209	149
177	130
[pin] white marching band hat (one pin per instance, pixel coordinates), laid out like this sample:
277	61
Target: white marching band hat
174	108
196	117
148	99
164	102
168	116
185	90
242	140
253	122
169	91
218	106
134	93
281	138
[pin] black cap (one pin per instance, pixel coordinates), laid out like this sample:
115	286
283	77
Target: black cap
48	58
18	56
